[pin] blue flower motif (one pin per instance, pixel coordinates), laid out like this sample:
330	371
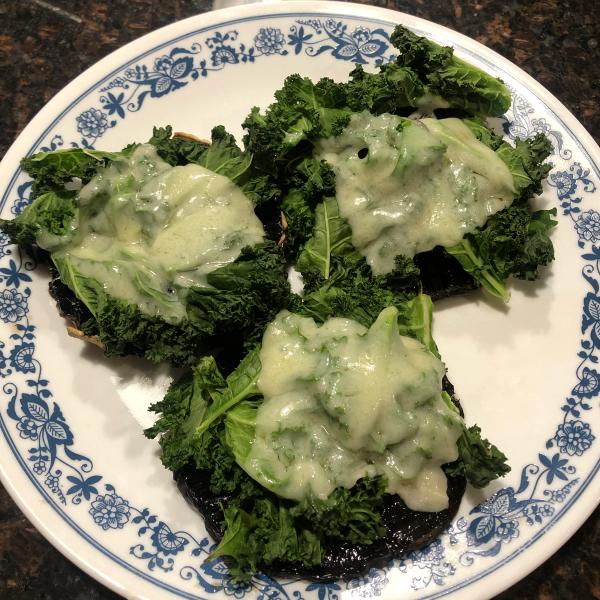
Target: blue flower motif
556	467
13	274
588	226
13	306
28	428
370	585
3	359
574	437
92	123
174	69
565	184
535	513
430	555
269	40
498	509
217	569
224	55
360	45
298	38
361	35
21	357
110	511
235	589
163	64
588	385
335	27
113	104
557	495
166	540
506	531
83	487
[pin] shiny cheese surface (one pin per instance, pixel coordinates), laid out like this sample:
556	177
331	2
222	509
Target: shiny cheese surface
406	186
147	231
343	402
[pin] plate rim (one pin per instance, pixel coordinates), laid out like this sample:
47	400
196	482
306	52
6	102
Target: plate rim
213	19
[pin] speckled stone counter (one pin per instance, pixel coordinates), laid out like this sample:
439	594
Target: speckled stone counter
46	43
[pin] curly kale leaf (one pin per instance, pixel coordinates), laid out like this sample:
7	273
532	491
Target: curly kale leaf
274	532
50	212
209	421
195	404
338	281
178	150
181	411
302	112
460	84
245	295
222	155
50	171
331	237
526	163
266	534
264	528
307	185
525	160
513	242
392	90
479	461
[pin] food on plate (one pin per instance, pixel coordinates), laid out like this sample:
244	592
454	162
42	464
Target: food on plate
317	434
336	444
157	250
427	188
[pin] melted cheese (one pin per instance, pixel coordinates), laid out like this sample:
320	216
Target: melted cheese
148	231
342	402
408	186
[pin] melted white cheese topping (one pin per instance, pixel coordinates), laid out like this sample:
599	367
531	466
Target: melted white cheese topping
342	402
408	186
148	231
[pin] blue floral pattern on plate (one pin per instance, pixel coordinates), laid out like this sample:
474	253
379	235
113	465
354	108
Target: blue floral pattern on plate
544	484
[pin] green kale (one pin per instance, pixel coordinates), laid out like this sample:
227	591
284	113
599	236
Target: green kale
222	155
266	534
177	150
238	301
307	185
394	89
513	242
210	422
479	461
207	420
462	85
331	237
525	160
50	171
303	111
50	211
275	531
243	297
526	163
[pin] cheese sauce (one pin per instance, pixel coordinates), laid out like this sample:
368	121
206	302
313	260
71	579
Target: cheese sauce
407	186
343	402
148	231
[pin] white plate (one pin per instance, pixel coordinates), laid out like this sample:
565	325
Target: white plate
71	449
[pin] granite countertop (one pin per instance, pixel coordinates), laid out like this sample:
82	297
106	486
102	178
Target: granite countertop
46	43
